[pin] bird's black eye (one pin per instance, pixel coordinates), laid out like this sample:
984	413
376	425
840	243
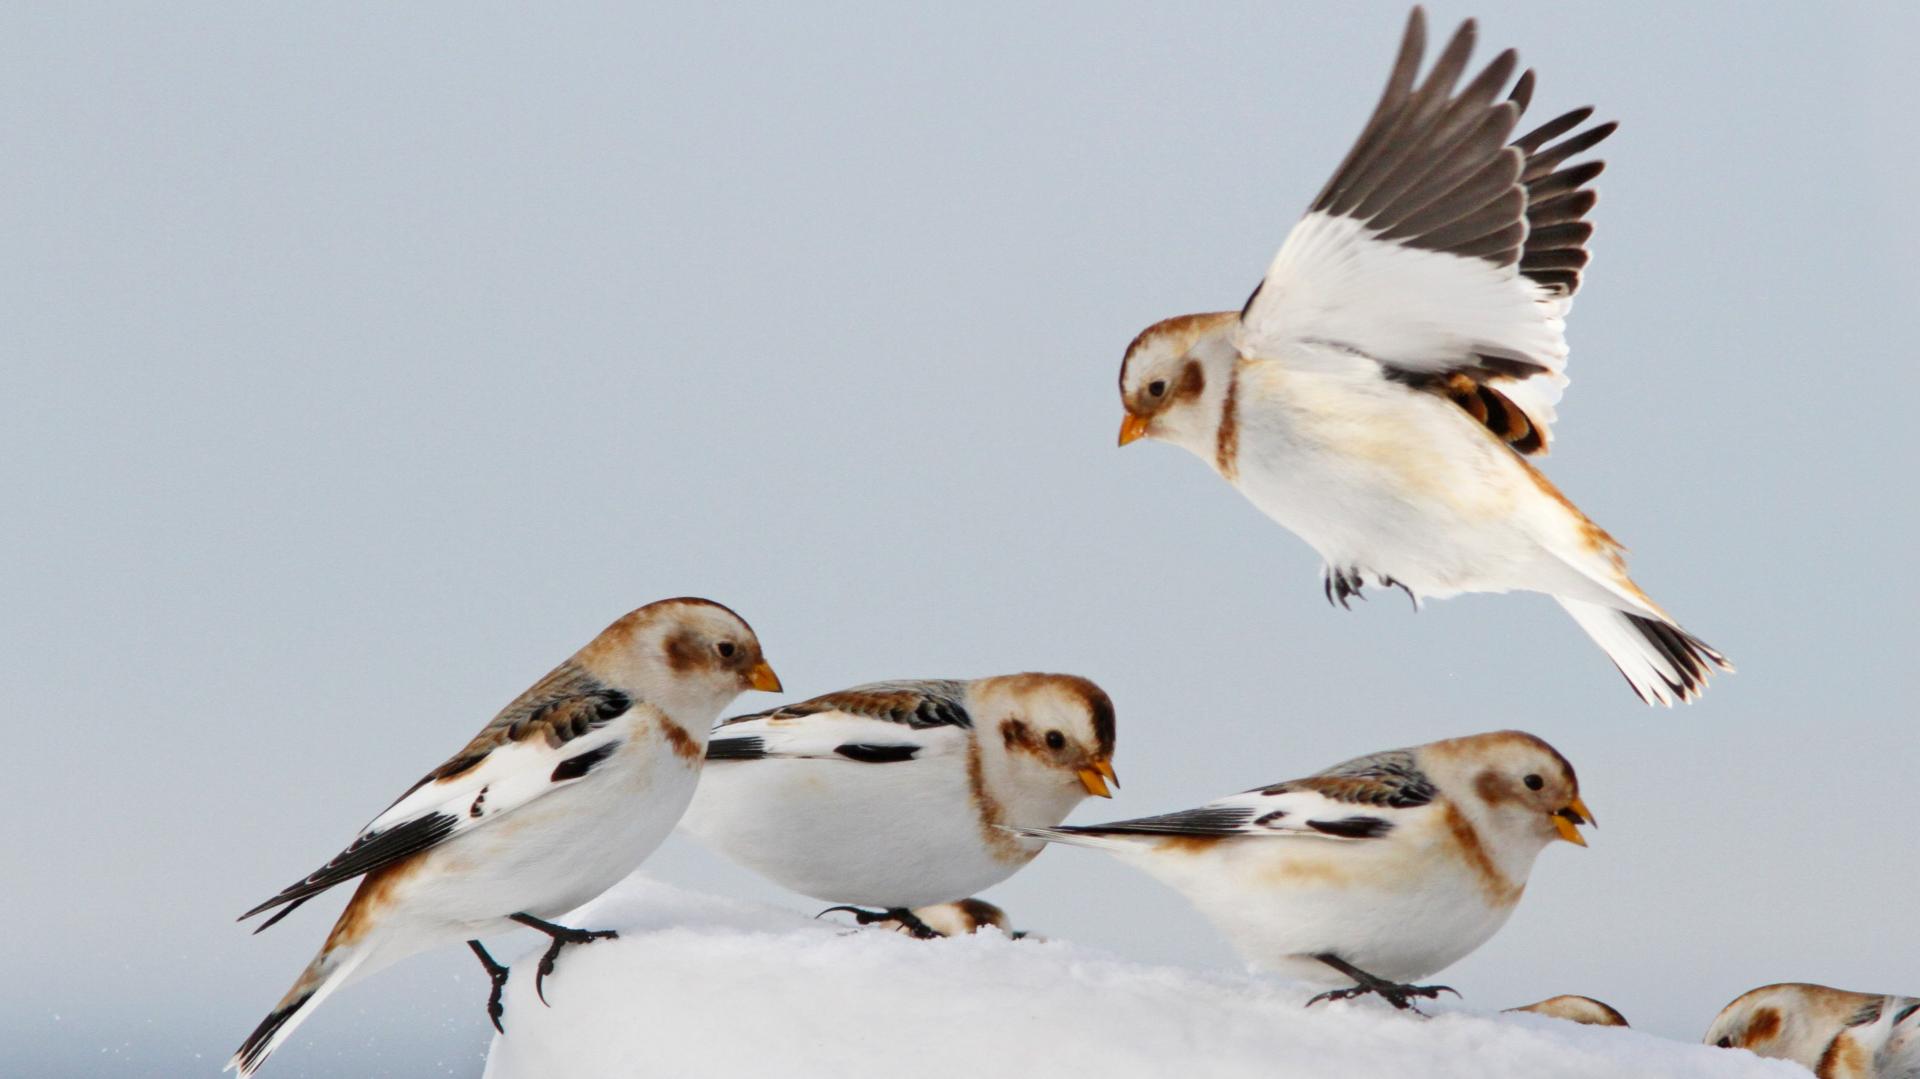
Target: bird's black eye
1157	388
725	648
1056	740
1534	782
1725	1043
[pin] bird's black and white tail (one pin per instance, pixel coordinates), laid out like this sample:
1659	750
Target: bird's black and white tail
1661	661
328	971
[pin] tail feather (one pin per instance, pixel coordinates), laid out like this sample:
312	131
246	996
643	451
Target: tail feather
328	971
1661	661
1073	837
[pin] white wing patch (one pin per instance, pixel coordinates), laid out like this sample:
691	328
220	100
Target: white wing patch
1335	287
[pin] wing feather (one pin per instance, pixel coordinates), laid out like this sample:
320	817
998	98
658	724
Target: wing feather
552	735
1442	247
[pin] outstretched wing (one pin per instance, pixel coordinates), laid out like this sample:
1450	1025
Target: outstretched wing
1442	252
551	736
881	723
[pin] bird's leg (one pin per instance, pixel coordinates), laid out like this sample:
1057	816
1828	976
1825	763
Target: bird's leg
561	936
498	974
1394	993
920	930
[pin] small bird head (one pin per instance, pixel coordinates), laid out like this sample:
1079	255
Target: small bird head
1519	787
1801	1022
688	656
1173	380
1046	742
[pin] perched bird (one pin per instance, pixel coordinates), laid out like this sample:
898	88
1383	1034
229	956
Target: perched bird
1379	392
1575	1009
565	792
1840	1035
1378	871
960	918
891	795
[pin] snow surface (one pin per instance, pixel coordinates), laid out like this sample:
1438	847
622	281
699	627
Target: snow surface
704	986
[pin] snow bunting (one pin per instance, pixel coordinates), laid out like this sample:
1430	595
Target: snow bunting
1383	869
1380	390
956	919
588	770
1575	1009
1840	1035
891	795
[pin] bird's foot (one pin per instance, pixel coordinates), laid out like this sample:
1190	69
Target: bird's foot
497	973
919	929
561	936
1342	584
1394	993
1349	583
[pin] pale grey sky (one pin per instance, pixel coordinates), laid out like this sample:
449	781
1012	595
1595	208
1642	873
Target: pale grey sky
362	363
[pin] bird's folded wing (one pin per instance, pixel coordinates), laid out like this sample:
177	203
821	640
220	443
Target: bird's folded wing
1278	811
830	735
535	746
1440	253
915	704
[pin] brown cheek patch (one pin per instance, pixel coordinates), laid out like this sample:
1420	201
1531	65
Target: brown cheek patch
680	741
1192	382
684	653
1499	890
1765	1024
1015	734
1493	788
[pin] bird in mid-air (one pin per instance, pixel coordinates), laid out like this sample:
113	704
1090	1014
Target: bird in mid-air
1372	873
891	795
1835	1033
1381	390
566	791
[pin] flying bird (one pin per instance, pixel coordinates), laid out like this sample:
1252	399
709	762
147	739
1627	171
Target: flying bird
1375	872
1380	392
890	796
566	791
1835	1033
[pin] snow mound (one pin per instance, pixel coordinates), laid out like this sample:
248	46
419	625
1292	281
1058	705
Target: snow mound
703	986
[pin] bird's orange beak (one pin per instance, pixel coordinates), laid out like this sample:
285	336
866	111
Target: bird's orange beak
1094	777
1568	820
1133	428
763	678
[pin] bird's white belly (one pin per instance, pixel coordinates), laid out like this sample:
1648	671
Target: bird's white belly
1282	900
881	835
565	848
1390	482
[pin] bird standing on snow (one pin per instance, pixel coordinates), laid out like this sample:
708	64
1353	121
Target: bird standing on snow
565	792
1379	391
1381	870
892	795
1840	1035
1576	1009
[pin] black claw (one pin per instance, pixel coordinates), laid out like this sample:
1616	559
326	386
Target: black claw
919	929
561	936
1393	993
